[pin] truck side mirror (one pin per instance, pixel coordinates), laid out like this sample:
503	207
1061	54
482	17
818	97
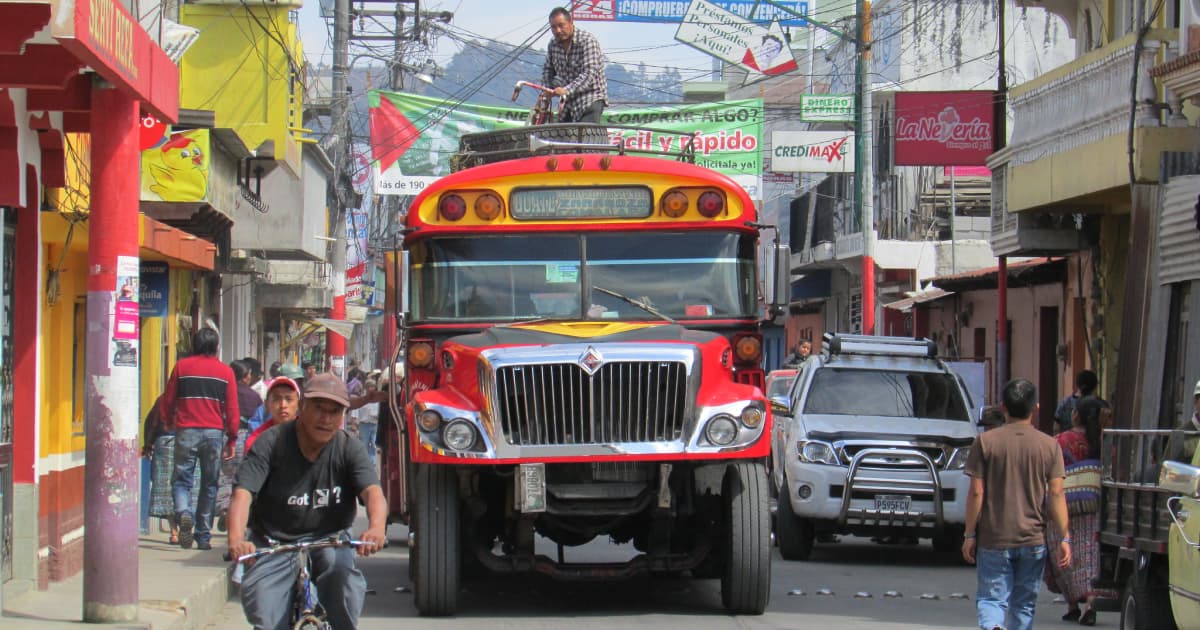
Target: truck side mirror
782	281
781	404
404	284
1180	478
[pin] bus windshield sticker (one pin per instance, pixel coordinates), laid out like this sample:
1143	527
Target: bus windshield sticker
617	202
563	272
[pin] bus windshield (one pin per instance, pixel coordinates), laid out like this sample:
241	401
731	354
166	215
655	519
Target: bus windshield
536	276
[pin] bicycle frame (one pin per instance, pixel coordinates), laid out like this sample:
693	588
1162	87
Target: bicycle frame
541	113
306	611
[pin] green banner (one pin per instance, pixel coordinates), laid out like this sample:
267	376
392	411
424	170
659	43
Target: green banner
413	137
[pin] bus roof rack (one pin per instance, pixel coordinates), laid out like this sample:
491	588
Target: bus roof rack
476	149
884	346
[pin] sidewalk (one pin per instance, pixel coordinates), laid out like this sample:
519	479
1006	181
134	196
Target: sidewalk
179	590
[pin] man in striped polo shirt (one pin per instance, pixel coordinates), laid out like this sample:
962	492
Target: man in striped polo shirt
201	405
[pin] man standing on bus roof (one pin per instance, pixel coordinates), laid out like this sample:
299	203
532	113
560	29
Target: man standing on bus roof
575	67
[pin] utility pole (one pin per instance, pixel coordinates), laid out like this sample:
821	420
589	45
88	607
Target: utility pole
111	488
864	165
335	344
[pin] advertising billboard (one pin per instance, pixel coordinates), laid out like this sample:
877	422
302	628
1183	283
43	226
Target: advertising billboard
943	128
711	29
413	136
672	11
812	151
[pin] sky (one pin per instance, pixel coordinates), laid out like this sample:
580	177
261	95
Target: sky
514	21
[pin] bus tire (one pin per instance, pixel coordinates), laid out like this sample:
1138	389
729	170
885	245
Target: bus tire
794	535
438	542
1145	607
746	576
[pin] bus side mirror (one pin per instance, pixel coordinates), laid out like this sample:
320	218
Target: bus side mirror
782	284
404	285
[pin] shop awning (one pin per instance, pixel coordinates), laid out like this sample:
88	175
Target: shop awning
918	297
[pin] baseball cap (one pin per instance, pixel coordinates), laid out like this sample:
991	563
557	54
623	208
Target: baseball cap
283	381
329	387
1197	392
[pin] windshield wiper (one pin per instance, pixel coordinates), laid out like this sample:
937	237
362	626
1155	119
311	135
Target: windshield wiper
638	303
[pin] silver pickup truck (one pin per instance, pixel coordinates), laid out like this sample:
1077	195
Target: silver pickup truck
871	440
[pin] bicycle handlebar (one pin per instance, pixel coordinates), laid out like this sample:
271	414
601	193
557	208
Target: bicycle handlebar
521	84
296	547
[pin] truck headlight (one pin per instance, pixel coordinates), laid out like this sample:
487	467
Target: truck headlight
752	417
815	452
459	435
429	420
958	459
722	430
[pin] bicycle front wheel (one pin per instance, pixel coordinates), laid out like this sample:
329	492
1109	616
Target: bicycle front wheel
311	622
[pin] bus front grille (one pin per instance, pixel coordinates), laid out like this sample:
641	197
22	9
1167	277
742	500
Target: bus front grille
561	404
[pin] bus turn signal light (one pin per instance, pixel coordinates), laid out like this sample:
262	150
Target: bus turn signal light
748	349
711	204
674	204
452	207
420	354
488	206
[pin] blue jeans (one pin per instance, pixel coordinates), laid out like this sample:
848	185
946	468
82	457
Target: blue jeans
205	446
367	431
269	587
1009	580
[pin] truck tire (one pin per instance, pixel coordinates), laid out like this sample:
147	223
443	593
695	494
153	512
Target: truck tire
794	535
1145	608
437	546
746	576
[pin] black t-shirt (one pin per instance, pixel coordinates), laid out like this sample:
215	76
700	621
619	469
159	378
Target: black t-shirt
295	498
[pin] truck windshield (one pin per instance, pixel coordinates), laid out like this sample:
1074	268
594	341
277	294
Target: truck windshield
514	277
852	392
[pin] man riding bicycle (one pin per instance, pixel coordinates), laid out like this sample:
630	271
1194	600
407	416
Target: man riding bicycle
299	482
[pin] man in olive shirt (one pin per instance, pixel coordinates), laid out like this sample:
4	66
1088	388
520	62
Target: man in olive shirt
301	481
1016	477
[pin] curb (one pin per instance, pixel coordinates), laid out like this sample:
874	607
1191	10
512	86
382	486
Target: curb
196	610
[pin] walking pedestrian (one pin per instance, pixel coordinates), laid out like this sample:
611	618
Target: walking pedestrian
201	404
368	419
256	380
282	406
1081	459
1016	483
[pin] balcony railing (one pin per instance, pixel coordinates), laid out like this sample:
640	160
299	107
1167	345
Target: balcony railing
1084	101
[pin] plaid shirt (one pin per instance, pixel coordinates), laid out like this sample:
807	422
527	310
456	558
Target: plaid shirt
580	69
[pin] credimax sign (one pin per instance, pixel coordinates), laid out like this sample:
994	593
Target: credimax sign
812	152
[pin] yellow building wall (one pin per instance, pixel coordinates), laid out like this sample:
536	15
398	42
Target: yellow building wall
242	73
64	315
1114	243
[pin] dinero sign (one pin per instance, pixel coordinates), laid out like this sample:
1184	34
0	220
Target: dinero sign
944	128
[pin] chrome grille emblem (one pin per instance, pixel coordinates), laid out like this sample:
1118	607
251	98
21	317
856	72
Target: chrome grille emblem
591	360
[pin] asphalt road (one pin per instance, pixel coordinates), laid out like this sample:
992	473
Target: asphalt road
847	585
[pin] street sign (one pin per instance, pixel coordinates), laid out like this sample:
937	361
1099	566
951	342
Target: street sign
360	176
812	151
827	108
673	11
727	36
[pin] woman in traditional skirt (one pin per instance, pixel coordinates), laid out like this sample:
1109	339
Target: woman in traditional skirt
248	403
1081	454
159	445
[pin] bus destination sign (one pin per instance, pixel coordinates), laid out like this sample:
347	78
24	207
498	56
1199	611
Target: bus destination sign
613	202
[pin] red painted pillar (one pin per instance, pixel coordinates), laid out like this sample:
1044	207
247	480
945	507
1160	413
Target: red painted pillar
25	335
110	546
1001	326
868	294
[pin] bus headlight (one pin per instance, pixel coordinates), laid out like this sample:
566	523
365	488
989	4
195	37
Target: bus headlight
722	430
459	435
429	420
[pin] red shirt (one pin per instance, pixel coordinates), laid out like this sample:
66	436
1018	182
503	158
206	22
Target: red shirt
201	394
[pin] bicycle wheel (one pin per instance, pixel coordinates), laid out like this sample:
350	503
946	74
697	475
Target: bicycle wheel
311	622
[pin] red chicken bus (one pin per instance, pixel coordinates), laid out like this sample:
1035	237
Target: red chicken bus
580	358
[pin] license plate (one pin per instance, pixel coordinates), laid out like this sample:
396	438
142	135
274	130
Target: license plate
893	502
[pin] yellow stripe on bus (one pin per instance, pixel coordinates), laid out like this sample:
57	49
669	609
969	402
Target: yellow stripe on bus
586	329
